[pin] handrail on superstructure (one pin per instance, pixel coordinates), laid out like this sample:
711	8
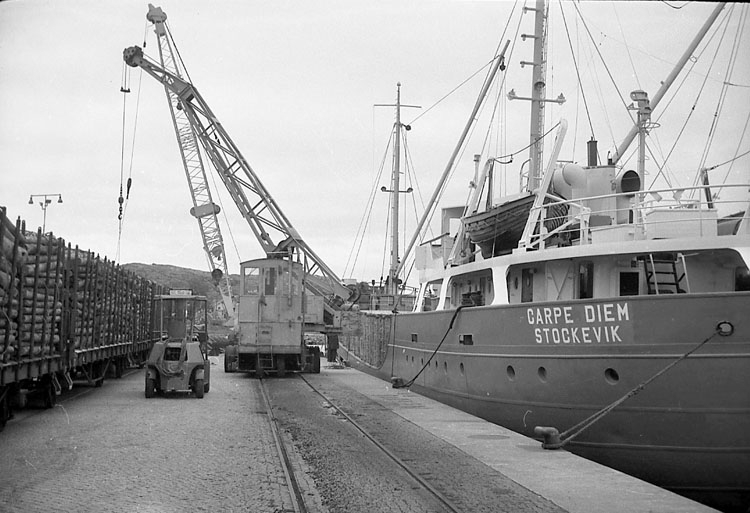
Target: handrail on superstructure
638	204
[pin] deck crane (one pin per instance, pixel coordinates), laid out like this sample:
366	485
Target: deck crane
267	284
204	209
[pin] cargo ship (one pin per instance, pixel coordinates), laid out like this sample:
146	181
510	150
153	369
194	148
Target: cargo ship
612	320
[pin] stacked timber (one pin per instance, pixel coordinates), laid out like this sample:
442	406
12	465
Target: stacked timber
30	293
13	256
109	306
60	302
367	334
42	296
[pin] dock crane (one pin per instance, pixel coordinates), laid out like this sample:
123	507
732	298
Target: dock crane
204	209
290	267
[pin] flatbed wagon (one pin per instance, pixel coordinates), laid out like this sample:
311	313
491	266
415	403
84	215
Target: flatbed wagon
66	315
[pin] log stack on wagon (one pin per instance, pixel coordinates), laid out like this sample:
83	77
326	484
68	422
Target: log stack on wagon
66	315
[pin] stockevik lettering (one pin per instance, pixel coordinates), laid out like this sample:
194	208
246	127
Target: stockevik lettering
578	324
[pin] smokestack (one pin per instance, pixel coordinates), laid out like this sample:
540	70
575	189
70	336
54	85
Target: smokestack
591	145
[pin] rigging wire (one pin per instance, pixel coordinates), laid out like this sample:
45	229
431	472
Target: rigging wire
410	167
510	155
497	49
585	25
736	157
366	216
740	30
459	86
673	6
676	90
627	48
484	105
719	102
578	71
386	234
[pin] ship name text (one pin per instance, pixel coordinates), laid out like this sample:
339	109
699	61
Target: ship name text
579	324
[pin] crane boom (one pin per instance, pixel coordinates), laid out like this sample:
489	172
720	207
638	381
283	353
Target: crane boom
262	214
204	209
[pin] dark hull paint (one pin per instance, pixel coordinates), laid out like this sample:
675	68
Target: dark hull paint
685	431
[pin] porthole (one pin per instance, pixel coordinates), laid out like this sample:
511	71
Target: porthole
542	372
511	372
611	376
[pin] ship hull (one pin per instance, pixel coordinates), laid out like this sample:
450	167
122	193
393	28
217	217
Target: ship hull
556	363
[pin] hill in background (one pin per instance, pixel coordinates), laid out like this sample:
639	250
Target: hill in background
175	277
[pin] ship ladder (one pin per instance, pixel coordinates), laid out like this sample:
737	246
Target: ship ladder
662	276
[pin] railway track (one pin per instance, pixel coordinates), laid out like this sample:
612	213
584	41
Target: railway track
296	493
419	485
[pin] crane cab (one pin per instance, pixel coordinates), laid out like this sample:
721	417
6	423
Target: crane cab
178	361
271	319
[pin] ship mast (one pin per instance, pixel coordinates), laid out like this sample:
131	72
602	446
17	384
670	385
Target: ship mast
538	90
394	191
539	87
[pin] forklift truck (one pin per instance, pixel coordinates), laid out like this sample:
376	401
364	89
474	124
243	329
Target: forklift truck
178	361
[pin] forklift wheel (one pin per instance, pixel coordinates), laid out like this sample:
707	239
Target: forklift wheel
198	388
150	388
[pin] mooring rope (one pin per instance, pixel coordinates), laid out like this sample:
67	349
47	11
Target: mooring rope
397	384
555	440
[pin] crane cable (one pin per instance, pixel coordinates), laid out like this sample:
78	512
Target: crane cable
122	201
125	90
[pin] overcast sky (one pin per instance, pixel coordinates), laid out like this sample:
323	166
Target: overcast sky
293	83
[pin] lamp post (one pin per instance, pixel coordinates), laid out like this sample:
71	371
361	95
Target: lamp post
45	201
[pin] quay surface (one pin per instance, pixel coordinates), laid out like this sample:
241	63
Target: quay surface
573	483
109	449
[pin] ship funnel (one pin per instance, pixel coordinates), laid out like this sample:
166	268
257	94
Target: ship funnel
567	178
592	152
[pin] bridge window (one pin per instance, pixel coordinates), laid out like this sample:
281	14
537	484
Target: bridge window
629	283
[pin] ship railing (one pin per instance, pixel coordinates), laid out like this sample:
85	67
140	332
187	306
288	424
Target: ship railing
654	214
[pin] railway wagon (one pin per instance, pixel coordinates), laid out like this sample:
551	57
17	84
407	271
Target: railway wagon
66	316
